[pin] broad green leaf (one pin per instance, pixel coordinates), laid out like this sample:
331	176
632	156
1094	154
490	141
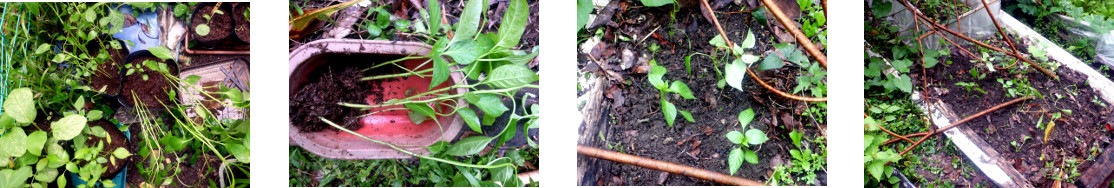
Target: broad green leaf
718	41
904	83
42	48
19	105
372	29
90	15
56	156
796	137
79	103
466	51
749	41
202	29
734	160
656	72
488	103
656	3
68	127
745	117
441	72
509	76
876	168
680	88
469	146
755	137
180	9
503	174
687	115
514	22
15	178
242	153
94	115
46	175
423	110
930	58
174	143
6	122
471	119
35	142
161	52
669	110
122	153
735	74
466	27
735	137
437	147
901	65
14	143
751	157
434	16
191	79
583	9
770	62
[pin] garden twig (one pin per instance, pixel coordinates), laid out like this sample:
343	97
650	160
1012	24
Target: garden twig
964	120
879	125
965	37
782	93
792	27
1000	31
664	166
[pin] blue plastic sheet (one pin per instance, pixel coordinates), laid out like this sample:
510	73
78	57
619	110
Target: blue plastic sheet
140	40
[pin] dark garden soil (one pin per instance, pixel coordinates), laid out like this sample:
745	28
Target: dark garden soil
153	91
117	141
1074	137
243	27
325	87
634	124
220	24
107	75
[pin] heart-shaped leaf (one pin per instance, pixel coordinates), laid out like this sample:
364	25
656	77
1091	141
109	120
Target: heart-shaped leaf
68	127
19	105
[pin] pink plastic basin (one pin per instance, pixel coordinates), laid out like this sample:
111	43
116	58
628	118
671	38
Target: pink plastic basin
393	127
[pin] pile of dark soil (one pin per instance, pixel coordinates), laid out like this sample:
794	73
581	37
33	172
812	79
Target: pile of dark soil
634	124
324	88
1074	135
220	25
153	91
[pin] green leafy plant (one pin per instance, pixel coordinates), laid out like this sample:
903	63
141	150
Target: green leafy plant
875	158
805	161
752	137
664	87
969	86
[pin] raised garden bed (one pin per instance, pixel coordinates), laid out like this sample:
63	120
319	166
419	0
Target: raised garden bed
623	112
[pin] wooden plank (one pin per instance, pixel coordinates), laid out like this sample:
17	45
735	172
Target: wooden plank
1098	175
980	153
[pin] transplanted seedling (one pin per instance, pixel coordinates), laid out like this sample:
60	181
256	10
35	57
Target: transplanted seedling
664	87
752	137
736	71
203	29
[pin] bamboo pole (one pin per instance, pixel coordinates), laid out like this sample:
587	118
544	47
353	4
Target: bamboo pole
664	166
801	38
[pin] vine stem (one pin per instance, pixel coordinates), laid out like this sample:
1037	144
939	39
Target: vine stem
752	75
408	152
412	73
409	101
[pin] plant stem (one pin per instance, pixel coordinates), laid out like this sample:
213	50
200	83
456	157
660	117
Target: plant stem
418	73
408	152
